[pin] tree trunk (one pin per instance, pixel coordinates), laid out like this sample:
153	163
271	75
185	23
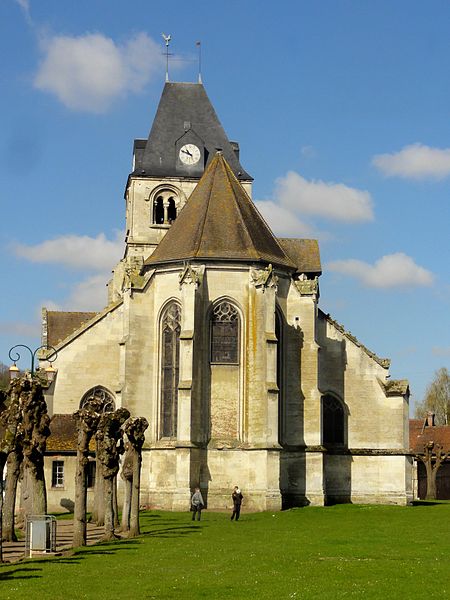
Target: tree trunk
109	447
98	514
79	513
37	490
125	525
431	486
134	517
431	480
109	534
115	505
2	466
35	429
9	506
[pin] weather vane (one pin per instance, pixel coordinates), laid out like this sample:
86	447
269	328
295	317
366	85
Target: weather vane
167	39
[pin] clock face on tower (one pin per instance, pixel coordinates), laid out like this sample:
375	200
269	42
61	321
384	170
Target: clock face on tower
189	154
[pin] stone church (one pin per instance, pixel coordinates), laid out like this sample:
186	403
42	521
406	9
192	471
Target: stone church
213	332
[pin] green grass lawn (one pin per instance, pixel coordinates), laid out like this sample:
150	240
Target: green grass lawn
335	552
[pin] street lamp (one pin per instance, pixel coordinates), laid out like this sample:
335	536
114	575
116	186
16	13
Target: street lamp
15	356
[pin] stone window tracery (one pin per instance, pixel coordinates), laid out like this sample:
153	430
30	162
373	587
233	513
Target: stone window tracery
225	334
170	366
332	420
101	395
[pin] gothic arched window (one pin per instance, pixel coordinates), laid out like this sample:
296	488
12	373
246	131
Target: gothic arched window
170	362
332	420
225	334
102	396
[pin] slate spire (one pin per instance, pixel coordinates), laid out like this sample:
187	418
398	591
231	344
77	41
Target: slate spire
220	222
184	115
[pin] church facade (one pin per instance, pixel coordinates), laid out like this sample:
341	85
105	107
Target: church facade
213	332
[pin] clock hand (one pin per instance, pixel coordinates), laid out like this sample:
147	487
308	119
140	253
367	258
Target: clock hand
187	152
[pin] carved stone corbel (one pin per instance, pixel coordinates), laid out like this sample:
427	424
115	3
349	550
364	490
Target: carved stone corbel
191	275
307	287
264	278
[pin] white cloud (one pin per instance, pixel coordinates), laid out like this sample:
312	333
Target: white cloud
21	328
390	271
88	295
416	161
283	221
87	73
77	252
334	201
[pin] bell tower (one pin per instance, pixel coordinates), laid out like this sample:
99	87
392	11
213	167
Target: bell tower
185	135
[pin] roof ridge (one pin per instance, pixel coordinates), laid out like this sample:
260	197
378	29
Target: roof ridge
205	216
241	189
231	181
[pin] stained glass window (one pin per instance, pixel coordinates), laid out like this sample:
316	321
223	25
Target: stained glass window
225	334
170	361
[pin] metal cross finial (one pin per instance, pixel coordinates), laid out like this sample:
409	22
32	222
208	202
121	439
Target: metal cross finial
167	39
199	46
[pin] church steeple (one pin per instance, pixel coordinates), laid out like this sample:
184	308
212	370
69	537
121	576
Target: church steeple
185	135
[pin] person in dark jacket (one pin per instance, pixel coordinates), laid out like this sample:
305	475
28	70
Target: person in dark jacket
237	501
197	504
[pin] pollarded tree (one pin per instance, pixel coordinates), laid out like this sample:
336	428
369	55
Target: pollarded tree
437	398
13	468
127	476
135	431
109	448
35	431
10	417
433	456
87	420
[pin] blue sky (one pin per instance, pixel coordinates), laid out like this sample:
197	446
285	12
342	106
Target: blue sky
342	112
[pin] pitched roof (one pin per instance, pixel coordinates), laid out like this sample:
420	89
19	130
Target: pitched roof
220	222
63	434
183	108
59	324
304	254
420	434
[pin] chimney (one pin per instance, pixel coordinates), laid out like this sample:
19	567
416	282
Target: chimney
430	419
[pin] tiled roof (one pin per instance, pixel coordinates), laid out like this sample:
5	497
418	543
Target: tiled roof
60	324
63	434
304	254
420	434
220	222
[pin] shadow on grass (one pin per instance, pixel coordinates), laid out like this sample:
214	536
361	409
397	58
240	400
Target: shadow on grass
15	573
178	531
429	502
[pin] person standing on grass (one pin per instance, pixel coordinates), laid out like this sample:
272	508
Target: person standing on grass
197	504
237	501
